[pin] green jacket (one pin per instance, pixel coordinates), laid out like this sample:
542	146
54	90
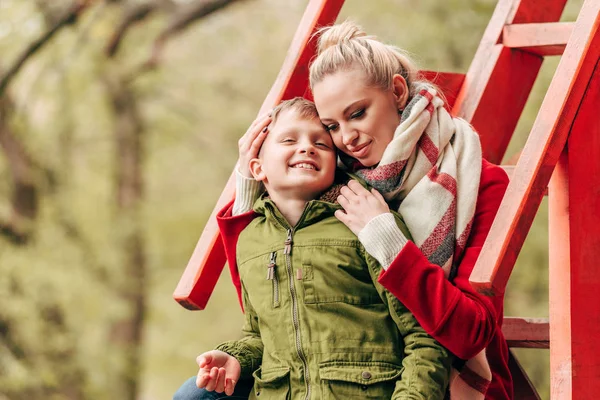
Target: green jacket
318	325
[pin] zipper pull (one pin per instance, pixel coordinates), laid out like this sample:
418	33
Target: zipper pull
288	243
271	267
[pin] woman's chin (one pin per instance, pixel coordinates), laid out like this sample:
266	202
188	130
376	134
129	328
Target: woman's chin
367	162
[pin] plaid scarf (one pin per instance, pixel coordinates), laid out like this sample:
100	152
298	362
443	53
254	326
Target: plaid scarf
430	173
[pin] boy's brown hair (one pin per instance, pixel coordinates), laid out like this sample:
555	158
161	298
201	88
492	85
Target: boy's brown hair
305	108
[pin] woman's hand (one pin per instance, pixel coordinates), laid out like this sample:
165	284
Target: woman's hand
360	206
250	143
218	372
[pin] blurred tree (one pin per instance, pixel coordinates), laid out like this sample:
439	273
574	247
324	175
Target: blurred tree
129	287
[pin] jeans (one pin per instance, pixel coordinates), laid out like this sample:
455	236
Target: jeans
189	391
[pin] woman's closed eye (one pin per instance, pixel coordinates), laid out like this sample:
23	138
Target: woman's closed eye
357	114
331	127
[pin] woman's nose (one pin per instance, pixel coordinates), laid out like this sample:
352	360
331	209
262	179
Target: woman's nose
349	135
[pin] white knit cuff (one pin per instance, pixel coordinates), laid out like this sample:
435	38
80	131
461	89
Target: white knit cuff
247	190
382	239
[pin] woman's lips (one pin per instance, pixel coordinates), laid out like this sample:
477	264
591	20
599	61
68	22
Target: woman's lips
362	150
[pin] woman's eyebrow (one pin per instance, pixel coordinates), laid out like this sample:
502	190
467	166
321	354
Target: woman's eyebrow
348	107
351	105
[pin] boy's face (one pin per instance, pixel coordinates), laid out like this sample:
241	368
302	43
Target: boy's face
298	158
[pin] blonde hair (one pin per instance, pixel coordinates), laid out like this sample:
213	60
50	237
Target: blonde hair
346	46
304	108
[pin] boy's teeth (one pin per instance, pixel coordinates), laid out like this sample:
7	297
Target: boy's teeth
306	166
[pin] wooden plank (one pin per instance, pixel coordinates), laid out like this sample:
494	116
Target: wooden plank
500	79
540	154
527	332
510	171
543	39
206	263
523	387
575	367
449	82
560	281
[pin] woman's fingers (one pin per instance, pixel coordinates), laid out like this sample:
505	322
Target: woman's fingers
259	119
348	194
343	201
378	195
342	216
357	188
257	143
258	126
249	144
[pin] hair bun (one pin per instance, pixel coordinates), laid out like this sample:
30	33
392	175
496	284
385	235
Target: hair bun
335	34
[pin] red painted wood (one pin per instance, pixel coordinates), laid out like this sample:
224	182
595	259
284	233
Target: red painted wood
449	82
526	332
583	253
544	39
560	280
540	154
207	261
510	171
523	387
206	264
493	95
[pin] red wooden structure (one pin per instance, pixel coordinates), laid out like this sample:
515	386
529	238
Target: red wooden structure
563	150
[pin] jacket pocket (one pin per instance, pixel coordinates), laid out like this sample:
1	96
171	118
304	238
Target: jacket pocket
337	273
358	380
272	383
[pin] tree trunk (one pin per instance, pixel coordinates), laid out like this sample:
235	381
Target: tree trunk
127	332
24	199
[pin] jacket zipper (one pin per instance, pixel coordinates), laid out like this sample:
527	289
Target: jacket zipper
272	275
288	262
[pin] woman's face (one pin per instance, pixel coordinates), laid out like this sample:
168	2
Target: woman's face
361	119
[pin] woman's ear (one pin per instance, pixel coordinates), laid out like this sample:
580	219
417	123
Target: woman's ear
256	169
401	92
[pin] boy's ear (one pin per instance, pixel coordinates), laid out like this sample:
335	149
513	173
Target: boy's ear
256	169
400	89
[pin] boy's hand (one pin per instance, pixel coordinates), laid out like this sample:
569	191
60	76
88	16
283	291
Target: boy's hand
360	206
250	143
218	372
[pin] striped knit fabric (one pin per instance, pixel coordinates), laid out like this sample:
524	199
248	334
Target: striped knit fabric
430	171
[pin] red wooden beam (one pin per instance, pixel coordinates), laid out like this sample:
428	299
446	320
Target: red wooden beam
540	154
575	251
449	82
544	39
526	332
523	387
500	79
560	280
206	264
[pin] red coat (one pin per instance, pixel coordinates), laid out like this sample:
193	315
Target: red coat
462	320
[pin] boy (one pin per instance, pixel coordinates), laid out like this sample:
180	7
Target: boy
317	322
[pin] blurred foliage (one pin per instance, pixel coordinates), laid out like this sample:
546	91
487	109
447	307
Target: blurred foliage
56	291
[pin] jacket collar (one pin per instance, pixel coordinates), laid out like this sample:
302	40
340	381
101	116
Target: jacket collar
314	211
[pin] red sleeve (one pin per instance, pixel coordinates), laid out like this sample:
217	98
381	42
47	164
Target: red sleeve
461	319
230	228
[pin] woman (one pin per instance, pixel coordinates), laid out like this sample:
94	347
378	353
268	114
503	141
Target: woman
394	132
